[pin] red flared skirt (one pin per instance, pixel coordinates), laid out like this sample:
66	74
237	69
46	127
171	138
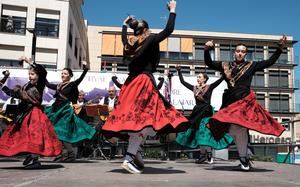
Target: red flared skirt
35	135
141	106
247	113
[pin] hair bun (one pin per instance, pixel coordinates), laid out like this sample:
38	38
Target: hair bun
133	23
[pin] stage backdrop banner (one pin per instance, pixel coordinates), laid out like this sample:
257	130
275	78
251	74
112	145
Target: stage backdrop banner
96	84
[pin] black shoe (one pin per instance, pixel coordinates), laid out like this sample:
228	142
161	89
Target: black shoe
34	165
70	158
245	164
58	158
131	167
210	159
27	160
200	160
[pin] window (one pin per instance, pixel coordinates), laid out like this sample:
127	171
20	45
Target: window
261	99
69	63
160	69
50	66
122	67
71	36
47	23
13	19
163	55
76	48
186	70
106	66
46	56
254	53
199	53
9	63
226	52
186	56
79	61
258	79
47	27
174	55
279	103
10	55
283	59
204	70
278	78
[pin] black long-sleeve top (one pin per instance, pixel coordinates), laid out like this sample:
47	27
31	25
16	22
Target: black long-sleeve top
119	85
148	56
207	94
68	91
242	86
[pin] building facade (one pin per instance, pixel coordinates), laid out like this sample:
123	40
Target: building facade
60	29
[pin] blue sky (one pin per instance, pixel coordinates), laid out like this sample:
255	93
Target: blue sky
245	16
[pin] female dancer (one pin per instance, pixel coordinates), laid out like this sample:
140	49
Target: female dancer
199	134
141	110
240	111
31	131
68	126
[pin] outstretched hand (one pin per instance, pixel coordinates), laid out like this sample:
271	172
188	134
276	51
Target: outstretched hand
171	6
126	21
25	59
209	45
84	64
178	67
6	73
282	41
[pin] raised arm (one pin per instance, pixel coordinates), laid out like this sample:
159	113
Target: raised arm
50	85
116	82
6	75
170	24
10	92
85	70
124	30
186	84
161	82
216	65
124	34
216	83
260	65
16	92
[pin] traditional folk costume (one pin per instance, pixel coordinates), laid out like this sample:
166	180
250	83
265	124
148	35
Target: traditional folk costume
31	131
68	126
199	134
141	110
240	111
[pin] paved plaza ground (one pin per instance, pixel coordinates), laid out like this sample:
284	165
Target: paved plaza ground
85	173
